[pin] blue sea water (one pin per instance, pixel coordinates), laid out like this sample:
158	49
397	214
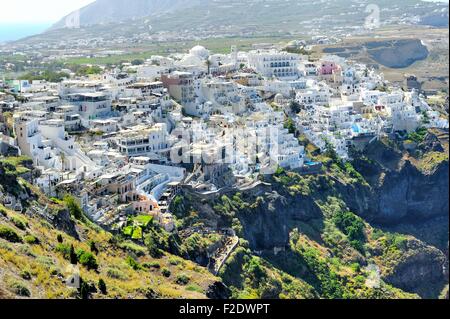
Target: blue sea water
12	31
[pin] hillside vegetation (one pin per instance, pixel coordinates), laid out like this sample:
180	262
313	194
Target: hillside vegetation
38	253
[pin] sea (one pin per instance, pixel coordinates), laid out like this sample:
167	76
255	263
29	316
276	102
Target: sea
16	31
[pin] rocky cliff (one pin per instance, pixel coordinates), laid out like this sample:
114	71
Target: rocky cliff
268	226
397	198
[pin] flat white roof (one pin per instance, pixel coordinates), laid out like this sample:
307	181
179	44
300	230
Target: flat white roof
89	94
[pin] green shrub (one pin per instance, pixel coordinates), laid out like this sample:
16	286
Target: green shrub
154	264
102	286
418	136
157	240
132	248
182	279
87	259
116	274
19	222
166	272
73	207
25	274
9	235
255	270
400	242
152	246
196	288
19	288
174	261
271	289
352	226
64	249
31	240
329	282
133	263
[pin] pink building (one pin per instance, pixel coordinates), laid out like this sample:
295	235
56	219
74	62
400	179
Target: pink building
328	68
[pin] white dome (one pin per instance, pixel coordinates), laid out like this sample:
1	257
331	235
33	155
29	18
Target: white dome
279	98
199	51
190	59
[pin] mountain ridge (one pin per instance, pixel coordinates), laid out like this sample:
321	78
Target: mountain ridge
106	11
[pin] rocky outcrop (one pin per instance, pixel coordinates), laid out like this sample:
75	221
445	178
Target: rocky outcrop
421	269
268	226
60	219
218	290
410	195
64	222
399	191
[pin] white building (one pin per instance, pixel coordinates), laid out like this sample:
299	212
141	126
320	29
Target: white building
69	114
141	140
91	105
275	64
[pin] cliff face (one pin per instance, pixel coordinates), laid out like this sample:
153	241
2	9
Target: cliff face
269	225
410	195
421	269
392	197
399	189
396	196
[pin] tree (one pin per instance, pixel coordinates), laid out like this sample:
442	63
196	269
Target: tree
102	286
255	271
330	151
93	247
352	226
152	246
208	65
290	125
73	207
84	290
137	62
73	256
295	107
85	70
87	260
47	75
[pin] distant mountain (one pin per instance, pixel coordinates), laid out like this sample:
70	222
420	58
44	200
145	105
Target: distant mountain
107	11
190	20
252	12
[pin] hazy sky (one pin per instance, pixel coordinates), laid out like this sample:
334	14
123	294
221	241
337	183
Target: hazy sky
33	11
